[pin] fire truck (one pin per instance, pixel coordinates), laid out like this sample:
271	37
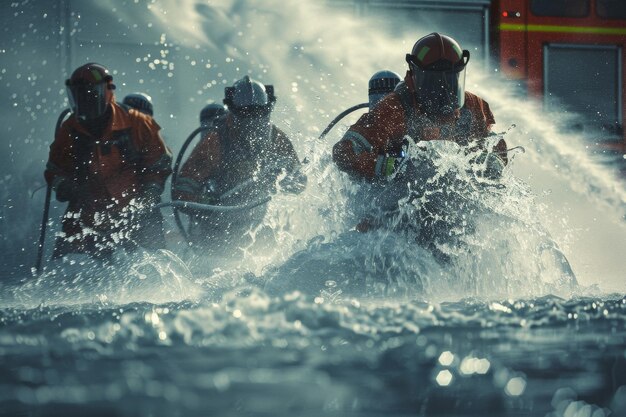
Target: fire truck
568	53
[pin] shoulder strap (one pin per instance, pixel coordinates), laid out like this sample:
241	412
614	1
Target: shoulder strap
414	121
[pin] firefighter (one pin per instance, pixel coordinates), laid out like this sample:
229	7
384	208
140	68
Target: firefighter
238	162
110	164
141	102
431	104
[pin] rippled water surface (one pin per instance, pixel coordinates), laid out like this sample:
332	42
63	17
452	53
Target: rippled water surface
254	354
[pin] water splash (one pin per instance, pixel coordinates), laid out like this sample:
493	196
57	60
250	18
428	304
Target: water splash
319	70
157	277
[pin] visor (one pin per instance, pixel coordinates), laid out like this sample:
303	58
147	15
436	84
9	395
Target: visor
254	131
251	112
439	92
439	87
88	101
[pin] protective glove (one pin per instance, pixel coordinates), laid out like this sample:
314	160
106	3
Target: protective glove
386	166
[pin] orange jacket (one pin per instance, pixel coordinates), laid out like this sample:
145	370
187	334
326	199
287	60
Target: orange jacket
382	131
222	159
129	159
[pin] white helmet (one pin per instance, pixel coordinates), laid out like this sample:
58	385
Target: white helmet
248	97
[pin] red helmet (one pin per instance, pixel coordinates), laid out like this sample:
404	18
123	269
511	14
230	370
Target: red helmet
437	67
90	91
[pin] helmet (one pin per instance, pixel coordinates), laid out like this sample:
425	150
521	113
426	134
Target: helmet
249	98
90	91
210	112
140	101
251	104
381	84
437	68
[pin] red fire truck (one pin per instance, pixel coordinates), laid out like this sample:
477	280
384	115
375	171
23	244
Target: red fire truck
571	53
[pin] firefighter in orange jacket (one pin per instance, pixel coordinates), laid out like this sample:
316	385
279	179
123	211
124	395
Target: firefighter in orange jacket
109	163
238	162
431	104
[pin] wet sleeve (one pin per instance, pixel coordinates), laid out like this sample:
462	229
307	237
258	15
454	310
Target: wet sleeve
156	157
198	169
361	150
60	165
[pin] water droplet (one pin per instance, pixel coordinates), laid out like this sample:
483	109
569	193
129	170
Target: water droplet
446	358
444	378
515	387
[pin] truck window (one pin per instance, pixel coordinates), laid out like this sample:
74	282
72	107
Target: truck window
611	9
560	8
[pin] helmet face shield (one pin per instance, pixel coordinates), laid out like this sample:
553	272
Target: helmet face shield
251	104
437	67
439	91
88	101
251	112
253	125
